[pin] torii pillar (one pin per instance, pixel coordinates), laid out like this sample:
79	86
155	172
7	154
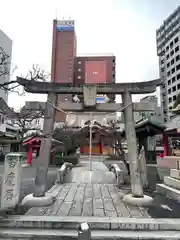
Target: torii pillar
39	197
136	197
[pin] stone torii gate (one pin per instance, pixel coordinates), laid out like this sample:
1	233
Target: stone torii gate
89	92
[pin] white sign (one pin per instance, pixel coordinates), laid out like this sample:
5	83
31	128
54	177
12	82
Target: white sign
65	23
11	180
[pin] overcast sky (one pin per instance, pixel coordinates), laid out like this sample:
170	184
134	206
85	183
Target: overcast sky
126	28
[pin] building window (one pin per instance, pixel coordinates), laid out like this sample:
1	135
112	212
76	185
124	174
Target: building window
162	69
178	67
79	69
168	73
171	44
174	98
79	77
172	61
168	65
167	57
172	52
169	91
173	79
170	99
176	40
178	86
177	58
169	82
178	77
174	88
173	70
162	61
177	49
167	48
79	62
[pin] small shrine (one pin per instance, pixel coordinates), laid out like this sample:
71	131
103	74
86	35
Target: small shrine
34	143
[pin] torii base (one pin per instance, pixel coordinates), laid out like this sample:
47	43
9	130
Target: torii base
138	201
31	201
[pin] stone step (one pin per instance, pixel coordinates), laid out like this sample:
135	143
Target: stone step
168	191
95	223
172	182
20	233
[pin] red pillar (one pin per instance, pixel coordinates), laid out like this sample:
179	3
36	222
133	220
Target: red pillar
101	146
30	154
165	141
81	149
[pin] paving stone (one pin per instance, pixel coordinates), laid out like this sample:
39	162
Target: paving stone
134	211
97	191
87	207
105	192
64	209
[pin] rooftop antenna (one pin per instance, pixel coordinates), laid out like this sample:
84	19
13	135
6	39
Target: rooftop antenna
56	13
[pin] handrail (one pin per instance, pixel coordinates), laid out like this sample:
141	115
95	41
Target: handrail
84	232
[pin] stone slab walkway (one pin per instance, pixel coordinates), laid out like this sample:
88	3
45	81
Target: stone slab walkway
96	200
89	193
94	194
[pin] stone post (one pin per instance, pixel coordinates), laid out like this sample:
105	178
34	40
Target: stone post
39	198
11	180
136	184
143	168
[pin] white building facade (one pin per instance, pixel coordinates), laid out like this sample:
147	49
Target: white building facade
168	51
5	49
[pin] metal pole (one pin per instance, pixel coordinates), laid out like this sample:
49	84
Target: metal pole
90	142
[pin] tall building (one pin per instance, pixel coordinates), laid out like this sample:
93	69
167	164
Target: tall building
94	70
67	67
168	51
63	54
5	50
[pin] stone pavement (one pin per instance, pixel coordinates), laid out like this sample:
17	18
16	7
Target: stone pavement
94	194
89	193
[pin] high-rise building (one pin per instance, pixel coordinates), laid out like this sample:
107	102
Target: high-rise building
168	51
5	51
95	69
63	54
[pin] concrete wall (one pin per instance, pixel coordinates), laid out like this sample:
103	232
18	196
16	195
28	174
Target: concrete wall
6	45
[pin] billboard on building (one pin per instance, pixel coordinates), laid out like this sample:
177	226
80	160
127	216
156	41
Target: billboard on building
95	71
65	25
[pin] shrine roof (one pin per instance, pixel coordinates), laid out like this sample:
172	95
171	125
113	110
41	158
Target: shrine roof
5	109
37	139
149	126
